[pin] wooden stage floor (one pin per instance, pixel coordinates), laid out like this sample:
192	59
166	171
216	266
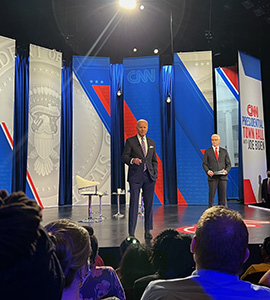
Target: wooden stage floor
112	231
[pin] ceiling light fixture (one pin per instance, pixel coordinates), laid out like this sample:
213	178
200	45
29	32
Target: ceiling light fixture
128	4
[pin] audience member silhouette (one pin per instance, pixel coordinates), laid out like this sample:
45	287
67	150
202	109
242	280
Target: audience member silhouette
102	281
171	258
220	248
130	240
29	268
266	190
98	261
134	264
265	280
73	250
254	273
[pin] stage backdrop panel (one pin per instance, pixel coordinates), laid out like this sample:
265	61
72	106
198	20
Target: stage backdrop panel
194	123
7	70
91	125
44	123
142	101
228	121
252	126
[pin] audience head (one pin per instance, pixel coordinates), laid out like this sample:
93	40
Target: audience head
94	243
28	263
171	255
135	264
126	243
265	249
73	249
221	241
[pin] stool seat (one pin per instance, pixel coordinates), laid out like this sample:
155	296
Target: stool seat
85	188
93	193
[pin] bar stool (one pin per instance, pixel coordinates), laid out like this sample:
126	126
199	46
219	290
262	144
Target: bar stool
85	188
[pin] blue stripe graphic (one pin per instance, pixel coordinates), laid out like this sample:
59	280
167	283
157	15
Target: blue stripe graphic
228	83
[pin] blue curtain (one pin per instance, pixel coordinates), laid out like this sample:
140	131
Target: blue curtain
168	134
20	135
117	131
65	180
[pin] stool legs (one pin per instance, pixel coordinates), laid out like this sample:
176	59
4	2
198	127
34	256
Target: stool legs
90	207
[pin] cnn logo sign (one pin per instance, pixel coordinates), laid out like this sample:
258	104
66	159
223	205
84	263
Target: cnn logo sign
252	111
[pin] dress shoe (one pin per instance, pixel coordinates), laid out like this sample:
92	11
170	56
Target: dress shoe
148	235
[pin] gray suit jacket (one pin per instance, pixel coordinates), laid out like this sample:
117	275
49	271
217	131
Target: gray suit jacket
210	162
133	149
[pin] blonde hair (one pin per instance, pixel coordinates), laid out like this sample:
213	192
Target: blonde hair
73	246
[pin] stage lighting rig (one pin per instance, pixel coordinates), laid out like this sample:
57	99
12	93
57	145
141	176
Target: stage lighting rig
128	4
168	99
119	93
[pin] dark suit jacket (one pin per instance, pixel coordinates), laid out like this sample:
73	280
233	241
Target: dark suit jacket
210	162
265	189
133	149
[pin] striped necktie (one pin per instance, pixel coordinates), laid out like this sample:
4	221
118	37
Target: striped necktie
144	152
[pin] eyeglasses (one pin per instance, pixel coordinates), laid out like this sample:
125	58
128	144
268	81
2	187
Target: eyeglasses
215	139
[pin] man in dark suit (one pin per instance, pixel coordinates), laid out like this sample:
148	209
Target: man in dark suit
140	155
266	190
217	164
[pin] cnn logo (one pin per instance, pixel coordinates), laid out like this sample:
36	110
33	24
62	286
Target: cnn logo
252	111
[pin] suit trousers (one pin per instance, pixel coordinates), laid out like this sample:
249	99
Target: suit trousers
148	187
221	185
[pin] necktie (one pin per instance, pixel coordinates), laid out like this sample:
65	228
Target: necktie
216	153
144	152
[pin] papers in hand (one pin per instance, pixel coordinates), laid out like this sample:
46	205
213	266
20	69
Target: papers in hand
220	172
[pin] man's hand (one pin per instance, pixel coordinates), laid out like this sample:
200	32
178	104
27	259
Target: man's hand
210	173
225	172
136	161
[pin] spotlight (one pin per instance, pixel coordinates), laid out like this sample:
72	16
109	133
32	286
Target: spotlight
156	50
119	93
128	4
135	49
142	7
168	99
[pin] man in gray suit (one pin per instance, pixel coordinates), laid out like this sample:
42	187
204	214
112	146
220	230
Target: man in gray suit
217	164
140	155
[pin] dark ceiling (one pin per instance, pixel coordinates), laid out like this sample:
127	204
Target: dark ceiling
101	28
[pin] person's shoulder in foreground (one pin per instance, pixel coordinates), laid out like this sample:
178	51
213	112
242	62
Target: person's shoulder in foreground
220	248
206	284
175	289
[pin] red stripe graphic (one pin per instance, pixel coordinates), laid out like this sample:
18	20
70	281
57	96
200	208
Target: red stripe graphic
103	92
32	186
249	196
8	135
180	199
30	181
231	73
